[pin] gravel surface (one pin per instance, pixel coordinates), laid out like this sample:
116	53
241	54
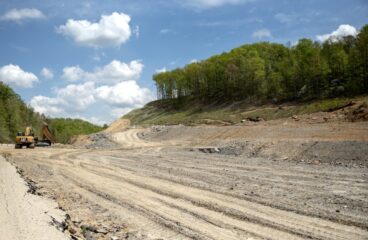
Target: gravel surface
24	216
272	180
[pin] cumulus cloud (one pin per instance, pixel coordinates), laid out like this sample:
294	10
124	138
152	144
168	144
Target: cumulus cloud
77	96
342	31
47	73
206	4
113	72
46	105
100	96
126	93
111	31
17	77
262	33
73	74
18	15
70	99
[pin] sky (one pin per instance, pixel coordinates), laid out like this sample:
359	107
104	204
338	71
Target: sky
94	59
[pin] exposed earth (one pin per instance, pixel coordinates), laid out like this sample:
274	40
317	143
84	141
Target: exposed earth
304	177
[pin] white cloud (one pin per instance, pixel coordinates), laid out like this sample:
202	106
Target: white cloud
77	96
72	98
116	71
342	31
105	93
113	72
206	4
161	70
193	61
19	15
73	74
47	73
17	77
111	31
46	105
126	93
262	33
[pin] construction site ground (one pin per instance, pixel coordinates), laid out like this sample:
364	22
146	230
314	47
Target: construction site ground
298	178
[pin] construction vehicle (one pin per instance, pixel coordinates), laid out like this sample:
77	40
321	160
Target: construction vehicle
26	138
46	137
29	140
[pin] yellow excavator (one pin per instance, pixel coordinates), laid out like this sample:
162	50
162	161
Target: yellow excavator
29	140
26	138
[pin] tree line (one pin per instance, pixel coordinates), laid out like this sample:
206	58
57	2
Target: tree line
271	71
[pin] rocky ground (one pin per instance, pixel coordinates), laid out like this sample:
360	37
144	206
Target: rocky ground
298	178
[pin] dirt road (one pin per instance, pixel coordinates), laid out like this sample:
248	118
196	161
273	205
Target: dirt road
156	187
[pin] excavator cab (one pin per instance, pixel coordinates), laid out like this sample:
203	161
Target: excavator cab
25	139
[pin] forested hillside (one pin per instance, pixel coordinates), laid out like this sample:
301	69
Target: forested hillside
15	116
271	71
64	128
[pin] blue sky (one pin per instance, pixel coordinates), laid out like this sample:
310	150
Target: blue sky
95	59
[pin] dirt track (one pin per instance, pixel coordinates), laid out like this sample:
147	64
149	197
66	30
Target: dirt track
164	187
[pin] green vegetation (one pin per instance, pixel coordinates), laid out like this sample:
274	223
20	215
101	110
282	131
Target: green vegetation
265	80
265	71
64	128
189	111
15	116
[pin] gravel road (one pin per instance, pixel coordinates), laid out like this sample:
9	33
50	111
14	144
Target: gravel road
165	187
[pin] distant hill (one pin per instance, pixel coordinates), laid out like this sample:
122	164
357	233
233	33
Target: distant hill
64	128
15	116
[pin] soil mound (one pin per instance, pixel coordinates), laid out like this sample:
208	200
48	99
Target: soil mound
118	126
358	112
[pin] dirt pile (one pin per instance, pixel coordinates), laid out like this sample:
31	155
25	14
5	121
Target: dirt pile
118	126
95	140
80	140
101	140
342	153
358	112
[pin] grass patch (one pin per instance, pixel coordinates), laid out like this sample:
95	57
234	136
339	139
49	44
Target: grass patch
191	112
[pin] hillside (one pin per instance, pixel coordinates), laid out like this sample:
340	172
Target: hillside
261	81
65	128
15	115
191	112
274	72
